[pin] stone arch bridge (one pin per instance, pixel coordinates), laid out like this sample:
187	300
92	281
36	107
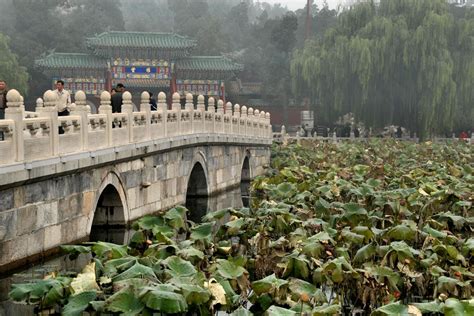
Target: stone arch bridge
112	168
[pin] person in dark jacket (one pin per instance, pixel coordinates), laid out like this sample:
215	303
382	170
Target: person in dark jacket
3	102
153	104
117	98
3	98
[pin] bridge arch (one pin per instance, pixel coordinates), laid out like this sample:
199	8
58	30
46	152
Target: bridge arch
246	171
198	189
110	206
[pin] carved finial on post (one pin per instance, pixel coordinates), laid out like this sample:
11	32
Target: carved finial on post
250	112
243	112
106	108
162	102
267	117
283	131
237	110
201	106
15	111
211	105
189	105
127	106
39	104
220	107
176	105
228	108
105	102
81	101
145	101
50	99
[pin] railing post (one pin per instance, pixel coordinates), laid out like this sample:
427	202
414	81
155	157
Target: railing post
201	108
219	126
163	107
236	129
39	105
269	125
256	130
189	106
81	110
176	107
211	108
250	119
106	108
145	106
263	130
50	110
127	107
243	115
15	112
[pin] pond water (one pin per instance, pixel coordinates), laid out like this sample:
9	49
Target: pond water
198	206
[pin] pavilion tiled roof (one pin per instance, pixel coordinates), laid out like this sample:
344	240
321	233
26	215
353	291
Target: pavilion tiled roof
71	60
208	63
141	40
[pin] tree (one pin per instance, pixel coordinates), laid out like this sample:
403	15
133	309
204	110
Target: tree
406	63
10	70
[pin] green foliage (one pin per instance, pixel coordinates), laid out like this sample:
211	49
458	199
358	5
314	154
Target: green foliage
380	226
10	69
400	62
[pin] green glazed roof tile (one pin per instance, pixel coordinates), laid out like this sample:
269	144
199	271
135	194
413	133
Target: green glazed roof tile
208	63
67	60
141	40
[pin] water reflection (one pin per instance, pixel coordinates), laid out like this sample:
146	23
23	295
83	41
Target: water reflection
198	206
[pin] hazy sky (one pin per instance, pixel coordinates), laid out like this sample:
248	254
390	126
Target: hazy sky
298	4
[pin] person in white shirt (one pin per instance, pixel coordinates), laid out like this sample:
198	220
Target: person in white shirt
64	99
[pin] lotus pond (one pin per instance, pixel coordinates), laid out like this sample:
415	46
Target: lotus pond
381	228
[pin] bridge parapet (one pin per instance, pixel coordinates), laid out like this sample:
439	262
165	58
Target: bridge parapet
30	136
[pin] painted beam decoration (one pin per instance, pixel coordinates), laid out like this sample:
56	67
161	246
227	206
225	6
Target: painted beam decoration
124	69
91	86
198	87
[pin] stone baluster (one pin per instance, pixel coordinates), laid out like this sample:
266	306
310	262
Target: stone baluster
250	130
145	106
39	104
163	107
243	115
201	106
219	126
211	108
81	110
127	108
189	106
211	105
106	108
334	137
228	108
15	111
236	128
269	126
256	131
176	107
263	130
220	107
50	110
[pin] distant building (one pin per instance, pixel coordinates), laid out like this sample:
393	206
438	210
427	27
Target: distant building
462	3
140	61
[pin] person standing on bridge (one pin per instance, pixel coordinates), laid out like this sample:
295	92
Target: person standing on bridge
64	101
117	98
3	102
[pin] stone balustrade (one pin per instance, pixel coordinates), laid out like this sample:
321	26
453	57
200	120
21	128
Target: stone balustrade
30	136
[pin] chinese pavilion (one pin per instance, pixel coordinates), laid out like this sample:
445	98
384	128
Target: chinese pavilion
141	61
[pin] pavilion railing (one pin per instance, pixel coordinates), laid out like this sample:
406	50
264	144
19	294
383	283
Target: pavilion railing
30	136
